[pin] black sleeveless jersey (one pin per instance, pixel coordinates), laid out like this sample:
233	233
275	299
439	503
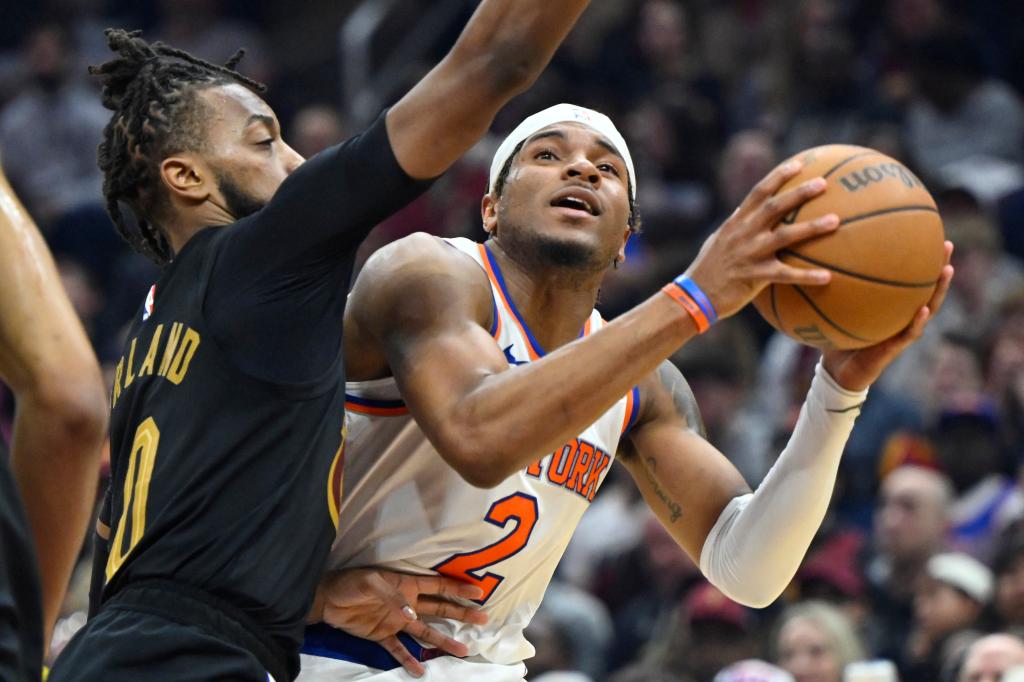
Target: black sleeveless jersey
225	452
21	605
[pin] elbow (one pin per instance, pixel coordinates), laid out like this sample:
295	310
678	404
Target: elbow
76	407
758	600
479	464
505	69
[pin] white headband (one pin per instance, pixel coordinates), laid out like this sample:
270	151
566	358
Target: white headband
562	113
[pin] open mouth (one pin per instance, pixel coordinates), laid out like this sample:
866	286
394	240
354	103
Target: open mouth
576	200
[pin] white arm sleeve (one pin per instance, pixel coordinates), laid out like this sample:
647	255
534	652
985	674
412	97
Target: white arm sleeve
759	540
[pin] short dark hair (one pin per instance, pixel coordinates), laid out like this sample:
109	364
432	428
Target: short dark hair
151	88
634	221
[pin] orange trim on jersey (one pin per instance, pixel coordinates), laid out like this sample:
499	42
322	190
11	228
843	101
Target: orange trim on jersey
376	411
632	409
494	285
335	480
586	328
629	412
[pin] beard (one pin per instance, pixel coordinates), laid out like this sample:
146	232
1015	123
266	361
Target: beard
539	249
239	202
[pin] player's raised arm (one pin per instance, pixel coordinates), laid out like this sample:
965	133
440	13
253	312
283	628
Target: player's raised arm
61	415
501	52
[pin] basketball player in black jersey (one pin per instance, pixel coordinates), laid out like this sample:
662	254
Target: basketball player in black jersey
48	487
227	404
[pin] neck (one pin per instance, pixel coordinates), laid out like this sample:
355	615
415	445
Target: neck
185	227
554	301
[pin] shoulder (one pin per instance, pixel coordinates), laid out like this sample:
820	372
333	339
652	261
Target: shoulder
665	396
422	258
421	278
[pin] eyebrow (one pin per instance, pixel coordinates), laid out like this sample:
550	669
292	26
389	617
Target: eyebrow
560	135
261	118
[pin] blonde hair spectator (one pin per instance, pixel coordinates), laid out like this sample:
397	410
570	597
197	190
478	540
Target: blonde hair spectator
816	640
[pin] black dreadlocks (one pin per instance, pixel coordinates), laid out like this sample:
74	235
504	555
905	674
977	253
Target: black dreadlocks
151	88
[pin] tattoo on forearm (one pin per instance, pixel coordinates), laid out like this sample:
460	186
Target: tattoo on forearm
674	508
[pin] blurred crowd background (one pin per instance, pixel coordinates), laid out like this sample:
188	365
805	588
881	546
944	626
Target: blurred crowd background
922	553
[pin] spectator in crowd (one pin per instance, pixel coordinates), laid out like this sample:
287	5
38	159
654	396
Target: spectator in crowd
709	632
643	589
989	657
49	131
585	626
1004	373
1008	570
753	670
646	673
202	28
948	600
969	446
316	128
814	641
959	111
911	522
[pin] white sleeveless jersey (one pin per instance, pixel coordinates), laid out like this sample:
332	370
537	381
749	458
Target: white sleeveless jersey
404	508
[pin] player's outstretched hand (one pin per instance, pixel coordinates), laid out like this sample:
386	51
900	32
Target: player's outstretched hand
855	370
375	604
739	259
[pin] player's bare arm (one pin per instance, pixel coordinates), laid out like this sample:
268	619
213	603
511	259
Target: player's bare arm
667	445
501	52
488	422
669	460
45	357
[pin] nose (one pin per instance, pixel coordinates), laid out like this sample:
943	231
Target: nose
293	159
581	167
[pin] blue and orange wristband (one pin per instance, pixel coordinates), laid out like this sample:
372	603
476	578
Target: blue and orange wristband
687	294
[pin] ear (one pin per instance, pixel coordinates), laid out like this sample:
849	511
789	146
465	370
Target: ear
489	213
185	179
620	257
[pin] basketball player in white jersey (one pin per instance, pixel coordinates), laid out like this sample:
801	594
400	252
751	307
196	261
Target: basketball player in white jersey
487	399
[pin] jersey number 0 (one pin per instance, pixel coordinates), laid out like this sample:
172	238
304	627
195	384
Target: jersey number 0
136	490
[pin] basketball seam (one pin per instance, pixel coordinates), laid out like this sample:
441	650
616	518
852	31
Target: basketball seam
825	317
847	160
885	211
791	218
857	275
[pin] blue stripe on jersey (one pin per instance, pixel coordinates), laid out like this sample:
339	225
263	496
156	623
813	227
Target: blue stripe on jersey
537	348
494	313
327	642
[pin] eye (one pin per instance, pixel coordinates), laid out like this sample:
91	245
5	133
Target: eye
266	143
608	168
545	155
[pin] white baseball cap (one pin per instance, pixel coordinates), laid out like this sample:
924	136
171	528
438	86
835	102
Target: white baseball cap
963	572
562	113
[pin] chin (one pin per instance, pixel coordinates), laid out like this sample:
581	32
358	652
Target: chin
569	251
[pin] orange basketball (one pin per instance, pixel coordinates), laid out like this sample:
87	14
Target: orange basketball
885	256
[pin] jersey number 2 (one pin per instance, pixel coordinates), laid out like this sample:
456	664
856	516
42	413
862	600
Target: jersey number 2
136	490
518	507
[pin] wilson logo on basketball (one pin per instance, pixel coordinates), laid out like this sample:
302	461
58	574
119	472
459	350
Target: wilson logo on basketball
865	176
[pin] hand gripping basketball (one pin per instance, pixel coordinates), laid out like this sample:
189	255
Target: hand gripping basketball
739	259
